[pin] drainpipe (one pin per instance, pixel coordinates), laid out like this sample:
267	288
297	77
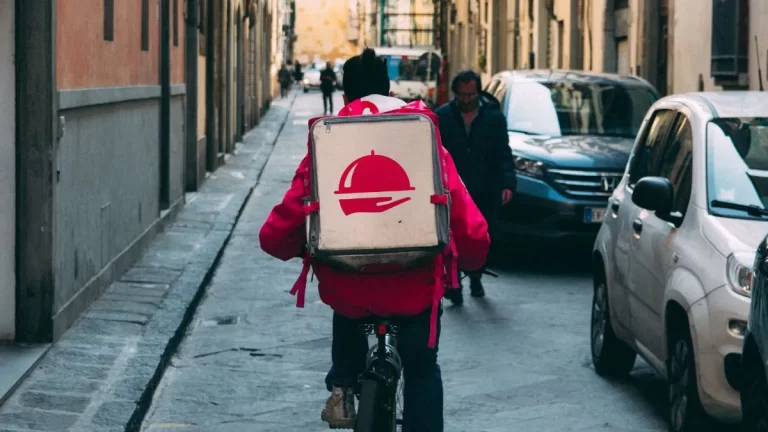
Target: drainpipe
211	153
192	53
165	102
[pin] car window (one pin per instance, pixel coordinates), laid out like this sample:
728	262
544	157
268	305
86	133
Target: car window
646	155
568	107
737	166
676	163
501	92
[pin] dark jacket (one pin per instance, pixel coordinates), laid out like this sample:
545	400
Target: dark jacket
480	157
327	80
284	76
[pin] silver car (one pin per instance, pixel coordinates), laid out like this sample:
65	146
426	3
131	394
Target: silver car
673	260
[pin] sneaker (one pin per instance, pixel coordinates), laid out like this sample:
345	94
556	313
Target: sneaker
339	411
476	288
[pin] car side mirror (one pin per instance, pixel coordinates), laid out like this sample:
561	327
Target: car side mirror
655	194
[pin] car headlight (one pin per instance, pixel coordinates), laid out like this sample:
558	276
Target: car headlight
306	81
739	271
528	167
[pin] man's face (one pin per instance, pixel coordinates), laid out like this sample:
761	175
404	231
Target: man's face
467	94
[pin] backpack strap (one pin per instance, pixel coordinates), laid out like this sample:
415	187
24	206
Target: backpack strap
300	286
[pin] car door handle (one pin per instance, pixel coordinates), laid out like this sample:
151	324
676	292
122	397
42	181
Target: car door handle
615	206
637	226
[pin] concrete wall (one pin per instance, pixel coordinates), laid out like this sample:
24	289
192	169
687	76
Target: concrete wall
693	34
7	172
108	160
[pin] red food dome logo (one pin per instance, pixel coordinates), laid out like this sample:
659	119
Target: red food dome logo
372	174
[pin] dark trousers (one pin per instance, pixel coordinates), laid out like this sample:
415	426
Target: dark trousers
328	101
284	89
423	392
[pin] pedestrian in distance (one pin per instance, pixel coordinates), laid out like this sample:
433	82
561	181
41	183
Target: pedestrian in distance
415	293
327	87
474	131
284	76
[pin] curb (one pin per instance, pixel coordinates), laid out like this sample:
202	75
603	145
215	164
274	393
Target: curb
221	238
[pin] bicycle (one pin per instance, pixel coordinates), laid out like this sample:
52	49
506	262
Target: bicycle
380	389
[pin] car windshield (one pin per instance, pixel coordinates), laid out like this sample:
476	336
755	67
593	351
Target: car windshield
737	167
573	108
402	68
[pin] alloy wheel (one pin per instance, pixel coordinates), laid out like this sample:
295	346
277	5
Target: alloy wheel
599	318
679	386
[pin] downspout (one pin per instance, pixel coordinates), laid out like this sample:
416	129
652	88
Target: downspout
165	102
191	179
210	120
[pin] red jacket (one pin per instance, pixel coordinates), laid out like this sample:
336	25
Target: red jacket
409	292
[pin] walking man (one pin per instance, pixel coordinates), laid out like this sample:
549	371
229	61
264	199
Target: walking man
327	86
284	76
474	131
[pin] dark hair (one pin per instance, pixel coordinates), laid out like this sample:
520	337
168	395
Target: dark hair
465	77
365	75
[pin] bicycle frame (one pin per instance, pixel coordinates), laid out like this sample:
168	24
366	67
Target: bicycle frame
378	384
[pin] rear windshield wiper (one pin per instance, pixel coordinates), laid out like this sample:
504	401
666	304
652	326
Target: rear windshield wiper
750	209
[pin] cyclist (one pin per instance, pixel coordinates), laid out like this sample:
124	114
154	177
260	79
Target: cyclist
353	296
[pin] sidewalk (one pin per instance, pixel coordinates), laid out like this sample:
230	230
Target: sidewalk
251	360
102	374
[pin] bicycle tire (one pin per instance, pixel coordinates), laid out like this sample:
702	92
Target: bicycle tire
371	414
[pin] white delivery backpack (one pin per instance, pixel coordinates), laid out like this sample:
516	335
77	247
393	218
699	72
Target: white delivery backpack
377	196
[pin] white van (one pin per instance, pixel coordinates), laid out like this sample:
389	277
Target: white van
414	72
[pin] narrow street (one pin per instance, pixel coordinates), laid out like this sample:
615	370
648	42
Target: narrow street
517	360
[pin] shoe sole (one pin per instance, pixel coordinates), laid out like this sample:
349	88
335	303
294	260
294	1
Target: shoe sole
337	424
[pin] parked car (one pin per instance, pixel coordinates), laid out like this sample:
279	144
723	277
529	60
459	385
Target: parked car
754	384
311	80
673	260
339	69
571	133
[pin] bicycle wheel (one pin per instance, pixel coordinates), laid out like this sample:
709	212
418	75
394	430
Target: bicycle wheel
399	404
376	411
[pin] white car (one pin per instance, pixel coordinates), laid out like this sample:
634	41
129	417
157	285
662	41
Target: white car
311	80
673	259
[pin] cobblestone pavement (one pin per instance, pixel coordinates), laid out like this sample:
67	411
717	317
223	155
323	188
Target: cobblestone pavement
517	360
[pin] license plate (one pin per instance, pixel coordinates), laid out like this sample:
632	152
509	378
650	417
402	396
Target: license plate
594	215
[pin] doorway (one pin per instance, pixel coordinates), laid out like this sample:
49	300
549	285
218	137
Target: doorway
7	171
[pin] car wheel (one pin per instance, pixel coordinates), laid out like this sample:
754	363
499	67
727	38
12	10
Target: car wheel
306	90
754	397
685	411
610	355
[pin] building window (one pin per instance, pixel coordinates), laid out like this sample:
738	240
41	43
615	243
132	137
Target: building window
109	20
175	22
730	40
145	25
620	4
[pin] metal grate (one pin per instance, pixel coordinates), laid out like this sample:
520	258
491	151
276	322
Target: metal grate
584	183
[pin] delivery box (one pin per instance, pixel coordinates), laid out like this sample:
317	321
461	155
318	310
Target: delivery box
380	199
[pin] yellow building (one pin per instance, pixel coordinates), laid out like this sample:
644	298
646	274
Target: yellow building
323	30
